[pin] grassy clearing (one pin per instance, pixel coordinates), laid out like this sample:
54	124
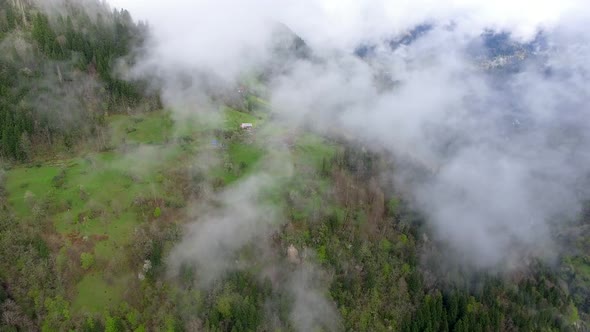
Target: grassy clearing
151	128
36	181
88	198
260	106
311	150
260	101
234	118
241	160
244	154
239	156
95	294
93	196
200	126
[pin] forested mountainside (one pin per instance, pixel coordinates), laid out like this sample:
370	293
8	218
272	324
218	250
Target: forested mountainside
99	188
58	76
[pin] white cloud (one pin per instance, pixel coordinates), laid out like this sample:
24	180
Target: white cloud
342	22
498	184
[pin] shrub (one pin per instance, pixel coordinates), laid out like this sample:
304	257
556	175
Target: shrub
393	206
87	260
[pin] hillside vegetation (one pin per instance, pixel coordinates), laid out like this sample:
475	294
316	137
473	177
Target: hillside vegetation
99	184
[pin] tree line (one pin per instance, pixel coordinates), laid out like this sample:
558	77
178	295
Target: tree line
58	77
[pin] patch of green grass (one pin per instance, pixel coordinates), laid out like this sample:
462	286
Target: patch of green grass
244	153
260	107
95	193
312	150
95	295
108	182
242	160
260	101
234	118
117	230
104	249
36	180
151	128
94	199
195	125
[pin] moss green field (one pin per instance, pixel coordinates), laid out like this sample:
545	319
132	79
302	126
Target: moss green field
92	196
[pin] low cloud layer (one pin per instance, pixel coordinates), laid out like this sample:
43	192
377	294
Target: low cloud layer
507	152
503	134
311	308
235	219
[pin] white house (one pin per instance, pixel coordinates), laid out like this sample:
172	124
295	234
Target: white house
246	126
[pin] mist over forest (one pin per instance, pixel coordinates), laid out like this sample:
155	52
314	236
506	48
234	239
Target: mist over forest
294	166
